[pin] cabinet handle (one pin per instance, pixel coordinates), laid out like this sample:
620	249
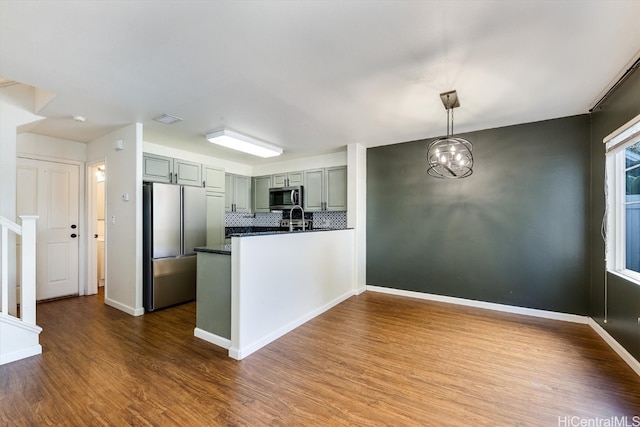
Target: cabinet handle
170	177
204	184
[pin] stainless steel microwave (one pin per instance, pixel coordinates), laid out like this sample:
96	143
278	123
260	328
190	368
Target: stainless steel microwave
282	198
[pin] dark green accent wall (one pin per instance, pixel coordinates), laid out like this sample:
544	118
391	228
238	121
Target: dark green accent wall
623	295
515	232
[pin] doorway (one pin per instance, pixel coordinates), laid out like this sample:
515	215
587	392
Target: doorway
97	181
51	190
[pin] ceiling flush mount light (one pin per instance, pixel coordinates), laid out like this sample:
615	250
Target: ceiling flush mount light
79	118
450	157
246	144
167	119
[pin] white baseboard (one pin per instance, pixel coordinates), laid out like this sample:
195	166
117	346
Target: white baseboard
212	338
241	353
122	307
615	345
360	290
574	318
20	354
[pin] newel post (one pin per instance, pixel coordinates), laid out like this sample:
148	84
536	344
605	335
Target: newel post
28	271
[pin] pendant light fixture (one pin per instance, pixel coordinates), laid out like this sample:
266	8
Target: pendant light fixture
450	157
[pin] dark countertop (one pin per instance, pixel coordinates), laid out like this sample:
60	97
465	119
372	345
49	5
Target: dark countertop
219	249
226	249
236	231
267	233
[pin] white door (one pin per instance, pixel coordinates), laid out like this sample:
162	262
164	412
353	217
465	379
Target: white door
50	190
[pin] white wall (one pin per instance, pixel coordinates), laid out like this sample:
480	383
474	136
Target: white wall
123	244
228	166
267	301
50	148
357	209
313	162
16	106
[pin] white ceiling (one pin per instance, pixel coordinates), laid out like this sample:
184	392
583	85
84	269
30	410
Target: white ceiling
312	76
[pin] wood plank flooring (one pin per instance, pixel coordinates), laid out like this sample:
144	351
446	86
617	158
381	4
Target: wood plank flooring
374	360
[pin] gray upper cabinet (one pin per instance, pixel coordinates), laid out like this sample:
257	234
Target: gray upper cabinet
213	179
187	173
288	179
167	169
260	188
228	192
336	188
325	189
314	190
215	218
157	168
237	193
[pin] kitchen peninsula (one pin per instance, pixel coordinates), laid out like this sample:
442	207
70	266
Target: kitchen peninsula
267	284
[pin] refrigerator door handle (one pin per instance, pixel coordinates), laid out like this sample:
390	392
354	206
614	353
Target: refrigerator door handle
182	207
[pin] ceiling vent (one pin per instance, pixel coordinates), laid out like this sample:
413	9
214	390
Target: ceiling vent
167	119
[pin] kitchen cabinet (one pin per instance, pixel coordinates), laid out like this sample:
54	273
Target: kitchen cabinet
157	168
213	294
237	193
187	173
325	189
215	218
260	189
288	179
213	179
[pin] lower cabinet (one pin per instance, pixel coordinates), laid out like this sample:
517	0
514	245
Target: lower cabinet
213	294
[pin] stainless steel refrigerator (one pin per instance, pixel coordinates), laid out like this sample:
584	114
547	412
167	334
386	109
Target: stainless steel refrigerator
174	223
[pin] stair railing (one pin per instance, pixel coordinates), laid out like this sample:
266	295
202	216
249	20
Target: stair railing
28	268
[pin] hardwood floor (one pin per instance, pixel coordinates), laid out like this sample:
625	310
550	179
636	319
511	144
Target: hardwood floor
373	360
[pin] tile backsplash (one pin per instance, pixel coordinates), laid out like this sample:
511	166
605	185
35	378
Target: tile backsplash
328	219
258	219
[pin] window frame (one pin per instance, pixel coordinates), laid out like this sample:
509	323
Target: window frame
616	204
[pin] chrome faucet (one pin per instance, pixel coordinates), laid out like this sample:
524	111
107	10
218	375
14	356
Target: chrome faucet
291	217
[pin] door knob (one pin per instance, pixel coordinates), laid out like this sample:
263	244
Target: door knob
74	235
73	226
95	236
